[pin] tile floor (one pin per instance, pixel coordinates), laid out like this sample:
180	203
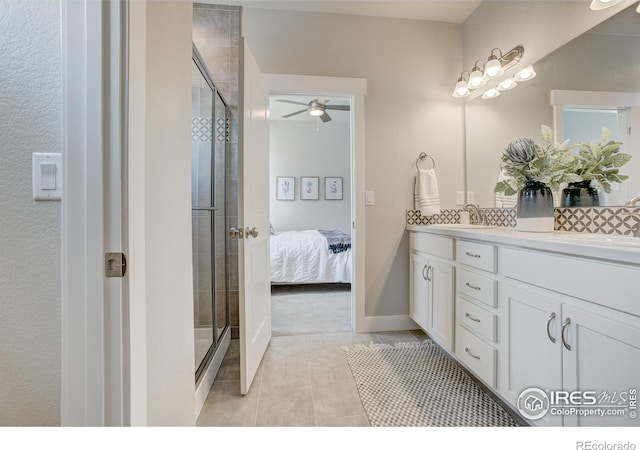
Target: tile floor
302	381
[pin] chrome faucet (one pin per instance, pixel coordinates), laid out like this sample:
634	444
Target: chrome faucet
477	216
632	201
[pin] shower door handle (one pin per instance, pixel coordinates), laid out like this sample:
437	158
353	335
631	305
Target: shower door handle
236	233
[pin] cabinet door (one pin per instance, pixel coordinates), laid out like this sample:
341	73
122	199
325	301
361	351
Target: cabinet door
440	317
604	357
419	290
529	324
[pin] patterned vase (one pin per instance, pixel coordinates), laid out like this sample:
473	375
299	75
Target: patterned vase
535	208
580	194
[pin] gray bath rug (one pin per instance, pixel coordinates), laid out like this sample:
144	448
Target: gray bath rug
415	384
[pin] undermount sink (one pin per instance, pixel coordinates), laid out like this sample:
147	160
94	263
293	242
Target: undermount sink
598	239
461	226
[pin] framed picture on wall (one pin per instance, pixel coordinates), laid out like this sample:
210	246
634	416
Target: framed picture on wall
285	188
333	188
309	188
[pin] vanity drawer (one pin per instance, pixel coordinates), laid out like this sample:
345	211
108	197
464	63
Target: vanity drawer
431	244
477	319
479	287
477	355
481	256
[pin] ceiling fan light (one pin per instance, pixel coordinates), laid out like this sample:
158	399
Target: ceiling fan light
525	74
491	93
316	111
507	84
493	68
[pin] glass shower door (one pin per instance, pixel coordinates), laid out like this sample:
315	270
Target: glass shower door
209	149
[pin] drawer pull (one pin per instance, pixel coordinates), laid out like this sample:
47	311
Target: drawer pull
477	288
468	316
549	320
565	325
466	349
472	255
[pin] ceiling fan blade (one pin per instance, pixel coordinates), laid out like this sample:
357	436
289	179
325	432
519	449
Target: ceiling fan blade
294	113
325	117
338	107
290	101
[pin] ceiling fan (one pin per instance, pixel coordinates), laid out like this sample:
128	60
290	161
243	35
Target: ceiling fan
316	108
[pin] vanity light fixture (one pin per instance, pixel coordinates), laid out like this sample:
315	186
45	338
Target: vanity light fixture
507	84
597	5
461	90
493	68
491	93
476	79
525	74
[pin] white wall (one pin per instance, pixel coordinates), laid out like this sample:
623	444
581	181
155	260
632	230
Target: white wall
409	66
30	286
297	149
161	287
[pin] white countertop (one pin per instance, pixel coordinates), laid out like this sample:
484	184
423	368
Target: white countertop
574	244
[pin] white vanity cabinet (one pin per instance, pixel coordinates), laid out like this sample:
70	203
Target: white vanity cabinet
432	277
530	312
558	342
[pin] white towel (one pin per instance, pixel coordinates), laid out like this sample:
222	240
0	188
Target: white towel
427	197
502	200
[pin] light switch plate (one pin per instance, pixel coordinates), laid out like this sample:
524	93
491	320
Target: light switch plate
460	198
369	198
47	176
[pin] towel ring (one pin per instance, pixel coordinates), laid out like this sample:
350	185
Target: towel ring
422	157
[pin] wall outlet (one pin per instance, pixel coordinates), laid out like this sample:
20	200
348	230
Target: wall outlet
471	197
459	197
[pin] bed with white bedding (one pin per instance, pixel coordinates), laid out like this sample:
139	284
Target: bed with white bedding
310	256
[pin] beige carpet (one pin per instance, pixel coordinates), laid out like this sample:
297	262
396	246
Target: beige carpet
310	309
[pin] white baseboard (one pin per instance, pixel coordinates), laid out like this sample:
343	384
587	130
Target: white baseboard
372	324
209	375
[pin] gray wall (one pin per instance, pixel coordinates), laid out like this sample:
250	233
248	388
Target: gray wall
30	289
297	149
410	67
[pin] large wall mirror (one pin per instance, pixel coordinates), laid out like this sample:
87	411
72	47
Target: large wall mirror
589	83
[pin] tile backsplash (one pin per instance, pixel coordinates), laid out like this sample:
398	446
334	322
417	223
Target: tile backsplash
604	219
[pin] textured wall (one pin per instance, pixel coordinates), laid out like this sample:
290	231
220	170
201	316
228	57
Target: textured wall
30	95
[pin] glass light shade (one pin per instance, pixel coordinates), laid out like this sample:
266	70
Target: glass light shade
597	5
476	80
638	8
507	84
493	68
491	93
461	89
525	74
316	112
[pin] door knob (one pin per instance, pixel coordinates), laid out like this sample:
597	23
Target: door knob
251	232
236	233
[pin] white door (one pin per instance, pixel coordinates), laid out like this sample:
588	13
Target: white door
602	354
253	220
531	328
440	313
419	290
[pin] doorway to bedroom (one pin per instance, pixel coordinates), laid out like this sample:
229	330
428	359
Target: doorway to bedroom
311	214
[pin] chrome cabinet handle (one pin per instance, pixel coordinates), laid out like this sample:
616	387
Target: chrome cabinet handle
477	288
470	317
424	275
552	316
466	349
251	232
473	255
236	233
565	325
429	273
